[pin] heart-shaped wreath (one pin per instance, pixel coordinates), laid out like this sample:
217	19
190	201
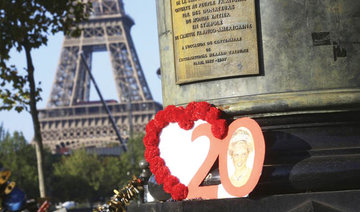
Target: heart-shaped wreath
185	117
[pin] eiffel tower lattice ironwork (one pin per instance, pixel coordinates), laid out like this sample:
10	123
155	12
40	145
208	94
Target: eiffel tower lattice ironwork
70	120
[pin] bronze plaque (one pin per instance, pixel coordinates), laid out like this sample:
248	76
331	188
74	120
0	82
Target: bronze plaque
214	39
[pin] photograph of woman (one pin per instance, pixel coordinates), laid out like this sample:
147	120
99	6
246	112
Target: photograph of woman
240	156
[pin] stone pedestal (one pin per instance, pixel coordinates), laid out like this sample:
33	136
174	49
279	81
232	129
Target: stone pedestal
313	202
306	99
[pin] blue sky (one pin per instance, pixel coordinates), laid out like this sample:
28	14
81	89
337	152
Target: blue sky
46	58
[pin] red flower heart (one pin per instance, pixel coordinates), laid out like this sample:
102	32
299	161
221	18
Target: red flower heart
185	117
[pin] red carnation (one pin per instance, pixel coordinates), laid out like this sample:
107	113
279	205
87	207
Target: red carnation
203	105
151	139
170	113
212	115
186	124
191	106
190	110
161	124
151	127
169	182
151	152
178	114
170	107
201	110
219	128
179	191
161	119
160	116
156	163
161	174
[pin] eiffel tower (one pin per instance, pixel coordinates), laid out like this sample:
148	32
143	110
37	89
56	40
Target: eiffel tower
70	120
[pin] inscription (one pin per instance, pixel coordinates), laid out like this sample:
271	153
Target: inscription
214	39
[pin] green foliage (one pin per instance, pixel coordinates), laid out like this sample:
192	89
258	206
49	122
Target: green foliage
88	177
2	132
9	76
19	157
79	177
134	154
26	24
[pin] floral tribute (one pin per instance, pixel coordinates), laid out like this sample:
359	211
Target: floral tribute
185	117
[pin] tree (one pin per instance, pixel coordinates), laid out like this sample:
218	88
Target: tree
19	157
2	132
88	177
24	26
78	176
131	159
119	170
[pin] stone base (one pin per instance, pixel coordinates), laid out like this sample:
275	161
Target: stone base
312	163
316	202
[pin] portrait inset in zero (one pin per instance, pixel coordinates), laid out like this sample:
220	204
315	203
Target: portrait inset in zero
240	156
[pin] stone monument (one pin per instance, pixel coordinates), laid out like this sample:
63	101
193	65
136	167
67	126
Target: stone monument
291	65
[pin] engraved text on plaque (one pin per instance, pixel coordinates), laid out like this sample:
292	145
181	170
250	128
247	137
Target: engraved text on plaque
214	39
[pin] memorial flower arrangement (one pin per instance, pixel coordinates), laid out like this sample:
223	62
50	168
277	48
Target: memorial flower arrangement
185	117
